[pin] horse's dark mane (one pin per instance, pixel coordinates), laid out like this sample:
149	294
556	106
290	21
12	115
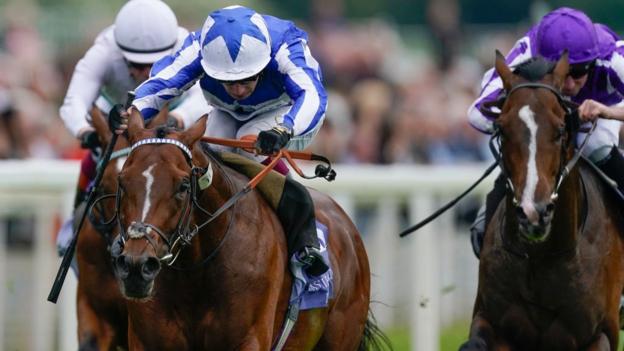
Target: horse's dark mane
534	69
209	151
163	130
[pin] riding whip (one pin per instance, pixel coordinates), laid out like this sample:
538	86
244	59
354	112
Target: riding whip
69	253
452	203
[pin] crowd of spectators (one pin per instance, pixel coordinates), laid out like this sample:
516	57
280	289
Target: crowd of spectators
387	103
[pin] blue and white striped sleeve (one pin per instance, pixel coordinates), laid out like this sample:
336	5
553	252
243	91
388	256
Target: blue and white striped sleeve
492	85
170	77
303	83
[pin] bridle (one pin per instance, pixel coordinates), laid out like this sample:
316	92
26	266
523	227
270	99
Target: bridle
181	236
104	226
572	126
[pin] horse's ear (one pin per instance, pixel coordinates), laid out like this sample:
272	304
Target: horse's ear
195	132
503	70
160	119
101	126
135	123
560	71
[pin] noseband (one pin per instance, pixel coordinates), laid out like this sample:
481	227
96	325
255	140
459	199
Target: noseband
572	123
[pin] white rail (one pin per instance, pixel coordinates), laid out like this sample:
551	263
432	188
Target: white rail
425	280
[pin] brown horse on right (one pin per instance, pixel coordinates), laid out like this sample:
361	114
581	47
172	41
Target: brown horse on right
552	268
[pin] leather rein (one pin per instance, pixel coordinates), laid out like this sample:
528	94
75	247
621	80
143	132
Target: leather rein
200	179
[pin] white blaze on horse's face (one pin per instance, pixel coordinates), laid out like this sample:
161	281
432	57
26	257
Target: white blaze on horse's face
149	181
528	193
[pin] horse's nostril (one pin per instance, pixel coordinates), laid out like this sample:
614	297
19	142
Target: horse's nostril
550	207
150	267
520	213
122	266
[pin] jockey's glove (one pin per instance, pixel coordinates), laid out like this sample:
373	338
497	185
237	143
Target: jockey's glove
117	118
272	140
89	140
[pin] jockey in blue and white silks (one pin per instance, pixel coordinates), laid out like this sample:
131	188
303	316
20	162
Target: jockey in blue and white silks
258	74
238	45
595	81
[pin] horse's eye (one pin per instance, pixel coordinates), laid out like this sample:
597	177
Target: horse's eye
185	185
560	133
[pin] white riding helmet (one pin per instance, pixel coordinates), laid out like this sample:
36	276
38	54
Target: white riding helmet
235	44
145	30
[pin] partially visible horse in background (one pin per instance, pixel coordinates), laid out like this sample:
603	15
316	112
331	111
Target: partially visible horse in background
552	265
101	309
229	288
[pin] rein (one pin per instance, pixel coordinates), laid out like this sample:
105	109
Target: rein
202	178
103	226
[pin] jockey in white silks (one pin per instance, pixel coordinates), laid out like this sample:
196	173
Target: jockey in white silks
119	60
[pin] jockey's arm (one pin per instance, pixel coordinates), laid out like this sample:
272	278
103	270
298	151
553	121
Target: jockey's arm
302	81
591	109
481	113
84	87
192	106
170	77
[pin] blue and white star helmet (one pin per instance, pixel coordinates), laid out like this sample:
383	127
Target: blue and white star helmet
235	44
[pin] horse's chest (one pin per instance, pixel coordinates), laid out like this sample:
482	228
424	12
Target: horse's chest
538	302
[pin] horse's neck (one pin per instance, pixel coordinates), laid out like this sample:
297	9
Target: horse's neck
564	229
222	187
568	211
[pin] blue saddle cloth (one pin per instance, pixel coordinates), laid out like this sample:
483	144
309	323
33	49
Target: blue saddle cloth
313	292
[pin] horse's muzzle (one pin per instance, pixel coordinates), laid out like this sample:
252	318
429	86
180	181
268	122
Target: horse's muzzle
535	226
136	274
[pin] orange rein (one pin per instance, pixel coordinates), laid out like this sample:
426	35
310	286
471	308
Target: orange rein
248	144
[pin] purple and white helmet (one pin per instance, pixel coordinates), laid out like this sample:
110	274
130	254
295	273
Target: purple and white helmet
235	44
566	28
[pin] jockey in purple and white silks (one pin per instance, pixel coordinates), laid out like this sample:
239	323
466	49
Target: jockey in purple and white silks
259	75
596	77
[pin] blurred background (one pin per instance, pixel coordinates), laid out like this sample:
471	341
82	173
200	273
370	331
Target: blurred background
400	76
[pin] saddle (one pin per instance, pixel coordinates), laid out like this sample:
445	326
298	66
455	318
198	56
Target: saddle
272	185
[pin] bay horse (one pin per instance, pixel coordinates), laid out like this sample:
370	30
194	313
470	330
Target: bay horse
228	289
551	267
101	309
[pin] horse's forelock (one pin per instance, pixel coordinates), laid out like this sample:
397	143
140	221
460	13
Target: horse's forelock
534	69
163	131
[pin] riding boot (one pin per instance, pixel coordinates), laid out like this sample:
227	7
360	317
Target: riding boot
485	214
296	212
86	176
613	166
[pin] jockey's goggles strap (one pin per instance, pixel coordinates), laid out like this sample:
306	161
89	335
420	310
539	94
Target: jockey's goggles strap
177	143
